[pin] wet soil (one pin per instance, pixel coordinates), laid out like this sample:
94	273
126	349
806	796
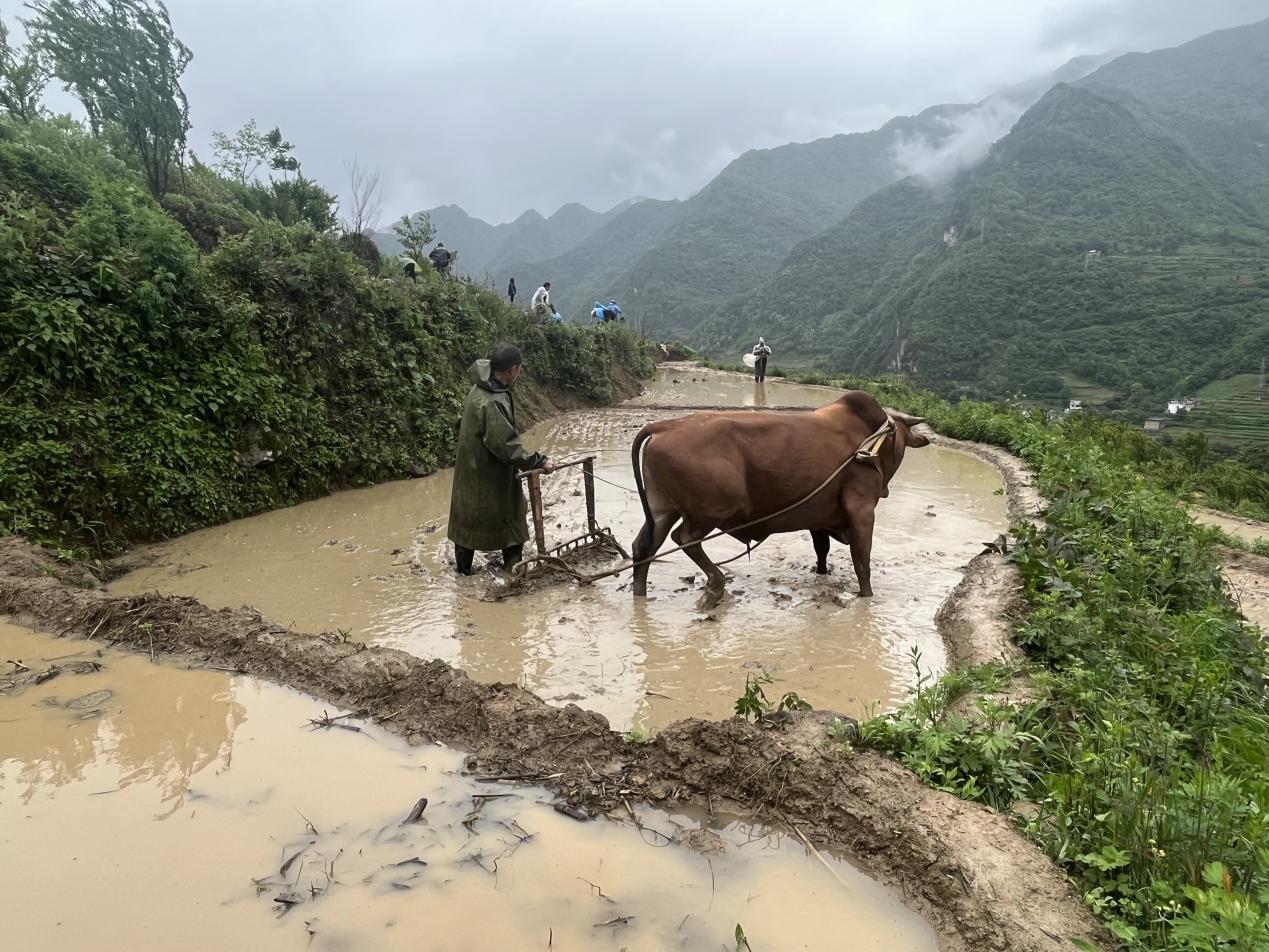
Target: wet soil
1247	575
375	563
149	803
966	869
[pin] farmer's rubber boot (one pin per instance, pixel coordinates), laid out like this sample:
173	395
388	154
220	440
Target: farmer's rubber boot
463	558
511	555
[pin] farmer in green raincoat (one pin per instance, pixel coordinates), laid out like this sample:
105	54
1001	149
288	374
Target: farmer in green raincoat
487	510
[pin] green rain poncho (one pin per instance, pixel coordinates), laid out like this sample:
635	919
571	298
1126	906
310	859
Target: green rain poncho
487	510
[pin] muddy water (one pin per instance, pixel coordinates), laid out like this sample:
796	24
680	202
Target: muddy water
375	562
143	808
678	384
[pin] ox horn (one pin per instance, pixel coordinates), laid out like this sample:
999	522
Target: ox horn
905	418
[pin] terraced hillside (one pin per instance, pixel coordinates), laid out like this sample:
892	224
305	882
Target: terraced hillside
1233	412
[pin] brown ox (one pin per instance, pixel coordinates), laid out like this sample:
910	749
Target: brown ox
711	471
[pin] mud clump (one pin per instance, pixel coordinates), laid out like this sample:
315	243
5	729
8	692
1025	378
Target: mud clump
973	876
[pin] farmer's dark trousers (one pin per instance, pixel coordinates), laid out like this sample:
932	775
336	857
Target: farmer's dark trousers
760	369
463	557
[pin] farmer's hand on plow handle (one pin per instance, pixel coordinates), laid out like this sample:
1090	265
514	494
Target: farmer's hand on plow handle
553	466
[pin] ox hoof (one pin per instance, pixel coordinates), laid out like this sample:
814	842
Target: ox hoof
865	592
710	598
821	570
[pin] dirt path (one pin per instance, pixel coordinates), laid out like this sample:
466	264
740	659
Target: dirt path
1247	574
968	870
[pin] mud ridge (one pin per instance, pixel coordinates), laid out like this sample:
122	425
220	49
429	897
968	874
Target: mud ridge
968	870
976	619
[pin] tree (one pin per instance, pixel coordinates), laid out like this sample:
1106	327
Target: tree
1192	446
415	234
364	201
301	199
123	62
240	156
22	78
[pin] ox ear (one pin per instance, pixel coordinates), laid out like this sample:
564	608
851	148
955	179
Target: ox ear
915	439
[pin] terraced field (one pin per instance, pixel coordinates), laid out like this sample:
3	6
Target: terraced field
1234	411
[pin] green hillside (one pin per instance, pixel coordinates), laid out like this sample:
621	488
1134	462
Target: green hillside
1176	295
723	240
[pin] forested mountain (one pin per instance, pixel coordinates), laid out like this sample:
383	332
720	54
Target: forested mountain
1157	164
673	264
483	247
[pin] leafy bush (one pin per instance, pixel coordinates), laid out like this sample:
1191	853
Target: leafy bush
151	388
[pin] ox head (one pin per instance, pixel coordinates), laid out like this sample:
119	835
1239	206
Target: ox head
905	435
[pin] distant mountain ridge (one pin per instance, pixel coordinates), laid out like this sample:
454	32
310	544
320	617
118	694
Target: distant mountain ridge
672	263
483	247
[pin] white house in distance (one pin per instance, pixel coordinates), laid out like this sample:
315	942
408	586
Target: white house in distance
1185	404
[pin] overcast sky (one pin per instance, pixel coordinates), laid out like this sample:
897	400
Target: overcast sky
503	106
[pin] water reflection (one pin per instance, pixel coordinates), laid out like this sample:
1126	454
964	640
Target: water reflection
90	869
187	726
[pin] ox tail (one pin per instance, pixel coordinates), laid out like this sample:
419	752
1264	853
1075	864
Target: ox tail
643	541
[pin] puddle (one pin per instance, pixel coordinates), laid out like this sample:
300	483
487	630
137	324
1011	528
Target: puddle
165	819
375	563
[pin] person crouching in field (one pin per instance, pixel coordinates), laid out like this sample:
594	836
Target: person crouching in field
487	508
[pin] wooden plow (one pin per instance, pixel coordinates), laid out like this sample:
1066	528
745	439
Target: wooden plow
561	558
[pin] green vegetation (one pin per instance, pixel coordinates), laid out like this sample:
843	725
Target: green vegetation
220	350
753	703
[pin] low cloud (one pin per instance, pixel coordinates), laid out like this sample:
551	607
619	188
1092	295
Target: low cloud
964	142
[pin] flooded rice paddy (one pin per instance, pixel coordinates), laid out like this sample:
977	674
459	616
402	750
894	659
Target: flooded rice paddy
144	807
375	563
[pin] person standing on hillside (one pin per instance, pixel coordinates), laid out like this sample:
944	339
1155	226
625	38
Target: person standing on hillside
540	306
511	291
760	353
487	508
440	258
